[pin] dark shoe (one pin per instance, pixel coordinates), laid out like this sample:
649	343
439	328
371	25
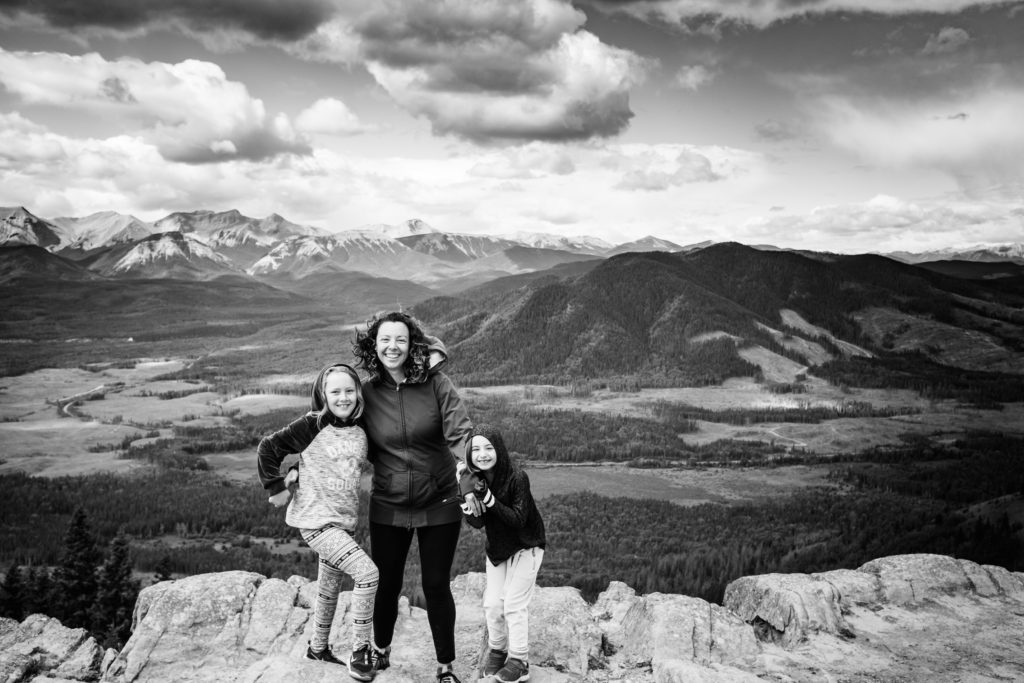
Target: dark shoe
495	660
360	664
514	671
447	676
324	655
380	659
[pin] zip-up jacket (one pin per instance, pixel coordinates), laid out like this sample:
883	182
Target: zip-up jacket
415	430
512	521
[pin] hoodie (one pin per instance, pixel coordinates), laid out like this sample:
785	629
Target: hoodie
415	429
331	453
513	522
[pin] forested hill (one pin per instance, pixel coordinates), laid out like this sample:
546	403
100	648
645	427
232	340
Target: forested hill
666	318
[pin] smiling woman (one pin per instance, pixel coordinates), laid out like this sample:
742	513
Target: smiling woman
415	423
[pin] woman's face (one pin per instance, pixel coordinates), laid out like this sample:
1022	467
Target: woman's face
393	346
482	452
340	394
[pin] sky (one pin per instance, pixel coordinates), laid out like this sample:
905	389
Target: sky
835	125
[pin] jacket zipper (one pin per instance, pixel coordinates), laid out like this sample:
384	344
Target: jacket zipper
405	445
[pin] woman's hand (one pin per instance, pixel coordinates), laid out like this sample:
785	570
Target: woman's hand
291	478
484	494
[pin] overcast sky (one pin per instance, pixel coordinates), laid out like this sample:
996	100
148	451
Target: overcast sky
840	125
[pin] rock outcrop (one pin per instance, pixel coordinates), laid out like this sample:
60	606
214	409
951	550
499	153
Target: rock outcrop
904	618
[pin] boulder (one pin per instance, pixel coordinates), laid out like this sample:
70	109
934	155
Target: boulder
785	608
42	645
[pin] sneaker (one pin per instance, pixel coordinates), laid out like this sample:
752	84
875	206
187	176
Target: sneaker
324	655
514	671
360	664
380	659
495	660
447	676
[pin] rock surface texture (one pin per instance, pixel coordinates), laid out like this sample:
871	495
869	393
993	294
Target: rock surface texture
910	618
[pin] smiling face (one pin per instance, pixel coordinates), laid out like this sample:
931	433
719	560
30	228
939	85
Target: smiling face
393	347
482	453
340	394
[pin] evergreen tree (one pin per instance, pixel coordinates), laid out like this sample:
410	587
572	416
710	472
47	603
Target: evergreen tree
116	592
12	594
163	570
75	581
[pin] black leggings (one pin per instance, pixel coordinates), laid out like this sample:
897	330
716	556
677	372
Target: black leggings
389	547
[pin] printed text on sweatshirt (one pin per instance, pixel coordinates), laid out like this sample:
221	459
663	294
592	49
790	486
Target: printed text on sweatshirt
330	461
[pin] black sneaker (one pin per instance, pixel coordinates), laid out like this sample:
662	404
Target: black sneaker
514	671
495	660
447	676
380	659
324	655
360	664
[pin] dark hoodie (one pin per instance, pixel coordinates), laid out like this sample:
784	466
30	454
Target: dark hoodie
331	452
513	523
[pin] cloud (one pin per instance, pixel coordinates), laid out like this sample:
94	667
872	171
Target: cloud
706	15
330	116
264	19
693	77
886	223
981	146
489	70
947	40
190	111
532	160
777	131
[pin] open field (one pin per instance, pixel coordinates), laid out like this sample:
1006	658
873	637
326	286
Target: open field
139	405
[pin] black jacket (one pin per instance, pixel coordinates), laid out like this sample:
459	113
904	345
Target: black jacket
513	523
415	430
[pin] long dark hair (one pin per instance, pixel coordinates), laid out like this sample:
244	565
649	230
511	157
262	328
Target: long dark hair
365	346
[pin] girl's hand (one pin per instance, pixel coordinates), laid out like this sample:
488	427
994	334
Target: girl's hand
280	499
291	478
472	506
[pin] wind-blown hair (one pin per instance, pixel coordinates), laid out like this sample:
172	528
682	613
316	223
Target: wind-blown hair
365	347
318	395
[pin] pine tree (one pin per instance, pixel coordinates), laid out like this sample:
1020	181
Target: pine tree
12	594
75	580
116	592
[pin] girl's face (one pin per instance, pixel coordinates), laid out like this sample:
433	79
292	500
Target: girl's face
340	394
482	452
393	346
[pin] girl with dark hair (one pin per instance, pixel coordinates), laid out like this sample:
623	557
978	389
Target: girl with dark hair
416	424
332	449
514	548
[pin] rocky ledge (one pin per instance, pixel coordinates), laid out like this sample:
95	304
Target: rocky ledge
903	618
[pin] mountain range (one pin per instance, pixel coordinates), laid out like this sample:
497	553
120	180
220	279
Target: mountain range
549	308
204	244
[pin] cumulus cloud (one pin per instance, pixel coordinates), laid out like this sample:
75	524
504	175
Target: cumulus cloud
705	15
693	77
886	223
189	110
264	19
330	116
981	146
491	70
533	160
947	40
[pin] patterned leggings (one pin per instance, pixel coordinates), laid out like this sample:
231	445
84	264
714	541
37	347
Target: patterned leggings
340	554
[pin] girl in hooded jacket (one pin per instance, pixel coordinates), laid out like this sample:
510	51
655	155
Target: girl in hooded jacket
514	548
322	494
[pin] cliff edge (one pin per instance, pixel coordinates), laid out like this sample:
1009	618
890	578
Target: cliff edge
910	618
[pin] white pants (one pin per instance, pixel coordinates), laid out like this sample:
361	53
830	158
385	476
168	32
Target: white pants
507	601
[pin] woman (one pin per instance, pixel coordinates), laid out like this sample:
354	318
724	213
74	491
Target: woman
415	423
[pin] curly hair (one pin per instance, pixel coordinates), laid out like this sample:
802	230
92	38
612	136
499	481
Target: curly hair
365	346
